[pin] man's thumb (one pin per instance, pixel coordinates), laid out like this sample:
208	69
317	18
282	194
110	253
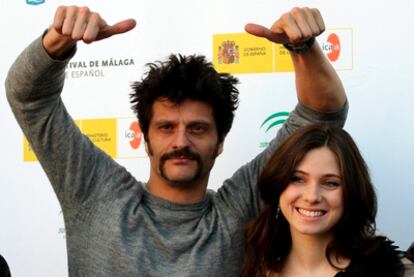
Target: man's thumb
118	28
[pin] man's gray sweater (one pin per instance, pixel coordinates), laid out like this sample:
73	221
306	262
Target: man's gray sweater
114	226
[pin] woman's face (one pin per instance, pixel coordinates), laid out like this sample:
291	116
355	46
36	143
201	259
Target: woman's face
312	203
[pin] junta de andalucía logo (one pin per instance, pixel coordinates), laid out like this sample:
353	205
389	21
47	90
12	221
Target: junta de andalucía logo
34	2
274	120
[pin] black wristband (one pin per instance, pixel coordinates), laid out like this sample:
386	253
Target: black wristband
300	48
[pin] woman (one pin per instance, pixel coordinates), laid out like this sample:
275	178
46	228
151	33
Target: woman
319	212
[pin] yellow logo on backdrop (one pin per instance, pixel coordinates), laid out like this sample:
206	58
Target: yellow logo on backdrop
28	153
282	62
102	132
245	53
242	53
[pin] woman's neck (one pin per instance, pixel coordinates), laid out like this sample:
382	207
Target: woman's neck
307	257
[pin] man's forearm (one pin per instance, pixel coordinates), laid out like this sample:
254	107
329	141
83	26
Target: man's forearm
317	83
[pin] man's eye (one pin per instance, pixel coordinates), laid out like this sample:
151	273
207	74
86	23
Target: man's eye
165	127
197	129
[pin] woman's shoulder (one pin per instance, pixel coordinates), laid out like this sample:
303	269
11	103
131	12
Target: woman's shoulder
382	249
408	267
408	261
385	257
381	258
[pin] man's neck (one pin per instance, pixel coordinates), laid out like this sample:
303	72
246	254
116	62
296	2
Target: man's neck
177	193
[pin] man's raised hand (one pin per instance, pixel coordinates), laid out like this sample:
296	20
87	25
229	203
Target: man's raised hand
72	23
296	26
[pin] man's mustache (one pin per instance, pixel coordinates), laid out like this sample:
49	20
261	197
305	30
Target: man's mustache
181	153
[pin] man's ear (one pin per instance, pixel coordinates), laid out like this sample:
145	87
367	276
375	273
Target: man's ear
220	148
147	144
147	147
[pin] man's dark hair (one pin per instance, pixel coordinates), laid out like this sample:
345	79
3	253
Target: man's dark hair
183	78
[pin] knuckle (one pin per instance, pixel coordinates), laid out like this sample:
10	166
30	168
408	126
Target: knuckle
285	17
87	39
295	38
72	8
95	16
307	34
84	10
315	33
315	10
295	11
316	13
56	25
66	33
61	8
75	37
306	10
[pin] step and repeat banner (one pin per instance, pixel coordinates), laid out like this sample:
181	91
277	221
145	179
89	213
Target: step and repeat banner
368	43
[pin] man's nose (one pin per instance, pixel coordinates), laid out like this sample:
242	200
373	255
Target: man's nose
181	139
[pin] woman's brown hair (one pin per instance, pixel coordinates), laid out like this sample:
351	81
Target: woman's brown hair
268	239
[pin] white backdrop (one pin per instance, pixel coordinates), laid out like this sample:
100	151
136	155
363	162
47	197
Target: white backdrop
379	87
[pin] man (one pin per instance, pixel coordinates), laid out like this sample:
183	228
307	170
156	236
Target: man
170	225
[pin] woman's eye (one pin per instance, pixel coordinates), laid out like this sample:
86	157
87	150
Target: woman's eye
296	179
331	184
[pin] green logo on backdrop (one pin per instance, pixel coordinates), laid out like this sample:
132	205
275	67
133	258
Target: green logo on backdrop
272	121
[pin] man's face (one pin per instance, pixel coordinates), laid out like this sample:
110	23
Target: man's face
182	142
